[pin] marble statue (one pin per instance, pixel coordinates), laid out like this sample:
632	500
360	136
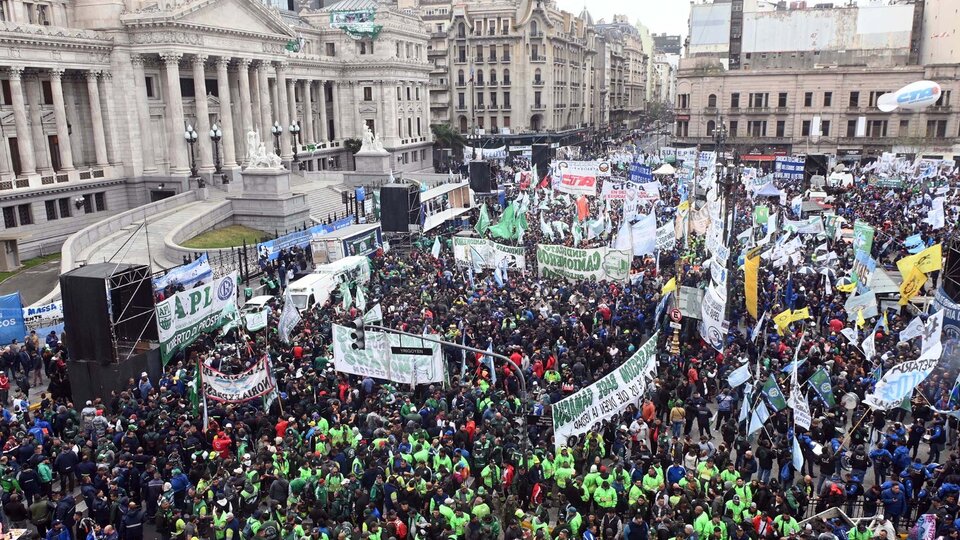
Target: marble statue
377	143
257	155
366	141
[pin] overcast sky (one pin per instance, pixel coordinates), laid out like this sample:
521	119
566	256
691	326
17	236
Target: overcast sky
659	16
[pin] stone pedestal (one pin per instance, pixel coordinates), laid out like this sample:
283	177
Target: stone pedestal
373	161
267	203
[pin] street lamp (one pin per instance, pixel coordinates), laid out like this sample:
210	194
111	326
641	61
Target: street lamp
216	135
277	130
190	135
295	135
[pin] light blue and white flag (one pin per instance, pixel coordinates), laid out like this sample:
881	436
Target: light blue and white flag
435	250
914	244
739	375
760	417
797	455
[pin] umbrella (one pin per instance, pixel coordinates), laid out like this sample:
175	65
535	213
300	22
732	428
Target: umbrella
845	281
829	272
806	271
666	168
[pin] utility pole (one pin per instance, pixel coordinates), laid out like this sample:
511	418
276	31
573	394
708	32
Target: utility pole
524	398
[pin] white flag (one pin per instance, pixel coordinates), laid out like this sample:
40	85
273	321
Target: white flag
289	317
801	411
739	375
932	331
435	251
914	329
869	345
935	216
624	238
760	416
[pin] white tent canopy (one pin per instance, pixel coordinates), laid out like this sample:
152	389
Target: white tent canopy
666	168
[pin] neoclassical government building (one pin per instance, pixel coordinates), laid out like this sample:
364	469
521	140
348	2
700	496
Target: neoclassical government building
107	104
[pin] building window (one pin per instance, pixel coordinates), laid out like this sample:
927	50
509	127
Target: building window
759	100
25	214
851	128
936	129
417	94
781	128
88	204
423	155
100	200
712	100
805	128
64	205
480	99
149	80
944	100
51	208
683	128
683	101
330	49
461	101
782	99
757	128
808	99
408	93
711	127
828	99
735	100
874	96
9	217
506	121
733	127
368	93
825	128
877	128
506	99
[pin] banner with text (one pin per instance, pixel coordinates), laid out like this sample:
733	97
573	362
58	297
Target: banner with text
271	249
492	253
183	317
186	275
45	318
607	397
573	263
250	384
401	359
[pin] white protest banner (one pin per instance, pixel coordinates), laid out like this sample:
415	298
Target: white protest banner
914	329
739	375
712	324
618	190
607	397
574	263
184	316
650	190
932	332
812	225
600	169
666	237
576	184
256	321
867	303
44	318
493	254
401	359
250	384
801	412
644	234
186	275
900	380
718	274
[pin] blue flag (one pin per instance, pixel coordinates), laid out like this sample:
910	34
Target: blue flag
797	454
739	376
488	360
660	307
914	244
789	297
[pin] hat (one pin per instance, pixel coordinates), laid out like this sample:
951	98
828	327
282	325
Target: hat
144	374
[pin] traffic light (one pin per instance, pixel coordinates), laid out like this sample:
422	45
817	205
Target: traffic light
357	335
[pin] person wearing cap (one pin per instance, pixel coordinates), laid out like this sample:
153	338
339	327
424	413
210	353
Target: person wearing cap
860	532
59	531
785	524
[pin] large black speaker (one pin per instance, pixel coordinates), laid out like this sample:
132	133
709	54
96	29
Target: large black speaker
399	207
541	155
108	311
480	177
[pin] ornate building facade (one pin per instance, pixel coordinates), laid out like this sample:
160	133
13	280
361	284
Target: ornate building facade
96	97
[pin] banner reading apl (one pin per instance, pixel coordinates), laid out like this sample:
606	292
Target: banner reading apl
607	397
183	317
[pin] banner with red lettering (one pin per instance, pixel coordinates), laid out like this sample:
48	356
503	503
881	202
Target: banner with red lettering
576	184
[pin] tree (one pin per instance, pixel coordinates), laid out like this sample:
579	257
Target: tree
445	136
660	113
353	146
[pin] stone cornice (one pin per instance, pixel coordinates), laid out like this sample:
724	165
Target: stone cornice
47	37
158	26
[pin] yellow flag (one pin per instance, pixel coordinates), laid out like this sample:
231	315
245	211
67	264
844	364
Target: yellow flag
860	320
912	282
751	266
683	206
783	320
928	260
800	315
669	286
849	287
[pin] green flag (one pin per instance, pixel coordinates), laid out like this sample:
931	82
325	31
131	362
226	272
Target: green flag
507	224
483	222
820	382
575	230
774	395
522	226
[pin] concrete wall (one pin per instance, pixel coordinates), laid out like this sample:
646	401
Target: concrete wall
220	216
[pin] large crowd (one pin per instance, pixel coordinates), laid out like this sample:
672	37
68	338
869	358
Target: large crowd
342	457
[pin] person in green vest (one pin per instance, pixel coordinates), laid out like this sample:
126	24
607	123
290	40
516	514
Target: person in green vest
491	476
735	508
701	523
744	491
785	524
591	480
730	474
459	522
652	482
860	532
714	524
605	496
480	508
689	479
635	493
574	521
220	524
707	470
563	474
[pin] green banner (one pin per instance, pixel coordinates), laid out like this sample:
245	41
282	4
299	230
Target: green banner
862	237
830	224
607	397
574	263
182	318
761	214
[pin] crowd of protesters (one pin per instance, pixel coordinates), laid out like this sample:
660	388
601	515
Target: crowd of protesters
343	457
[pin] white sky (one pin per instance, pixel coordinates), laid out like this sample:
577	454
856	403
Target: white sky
659	16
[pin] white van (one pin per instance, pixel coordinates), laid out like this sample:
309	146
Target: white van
311	289
256	304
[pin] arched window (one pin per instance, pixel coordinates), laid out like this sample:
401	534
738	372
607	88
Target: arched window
712	100
537	76
535	122
460	77
480	78
533	28
711	126
463	124
461	30
506	76
493	76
